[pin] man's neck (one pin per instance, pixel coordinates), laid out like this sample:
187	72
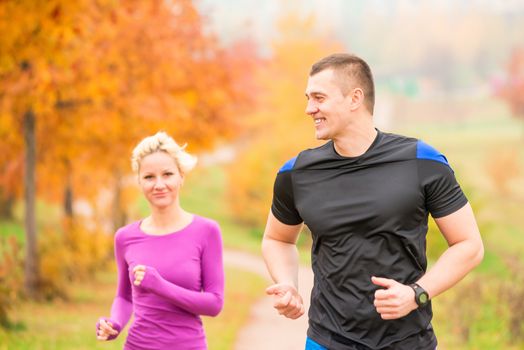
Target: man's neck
356	140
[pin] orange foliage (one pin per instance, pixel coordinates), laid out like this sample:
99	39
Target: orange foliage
33	50
11	281
74	252
100	75
279	128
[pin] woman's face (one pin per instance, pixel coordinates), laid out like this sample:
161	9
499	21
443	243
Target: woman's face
160	179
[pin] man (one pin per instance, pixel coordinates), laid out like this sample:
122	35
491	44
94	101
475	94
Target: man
365	195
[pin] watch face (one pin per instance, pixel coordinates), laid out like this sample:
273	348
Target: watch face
423	298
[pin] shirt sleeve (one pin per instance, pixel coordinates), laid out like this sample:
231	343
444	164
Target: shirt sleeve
122	307
210	300
283	205
443	195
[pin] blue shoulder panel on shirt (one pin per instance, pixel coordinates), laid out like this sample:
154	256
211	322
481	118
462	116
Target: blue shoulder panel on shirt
288	166
425	151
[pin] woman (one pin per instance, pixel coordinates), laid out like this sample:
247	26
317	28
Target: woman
170	267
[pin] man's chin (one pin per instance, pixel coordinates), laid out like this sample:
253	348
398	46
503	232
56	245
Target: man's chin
321	136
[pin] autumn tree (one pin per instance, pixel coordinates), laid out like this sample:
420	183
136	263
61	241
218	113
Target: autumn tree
37	41
11	160
85	80
156	68
512	88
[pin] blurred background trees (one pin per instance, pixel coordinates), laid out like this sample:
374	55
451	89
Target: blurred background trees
279	128
511	86
81	82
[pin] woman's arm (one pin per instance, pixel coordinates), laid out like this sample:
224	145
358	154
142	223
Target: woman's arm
122	307
207	302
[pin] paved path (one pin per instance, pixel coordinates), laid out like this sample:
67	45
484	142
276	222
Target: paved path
266	329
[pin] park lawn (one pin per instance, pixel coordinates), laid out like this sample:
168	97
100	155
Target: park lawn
471	316
71	324
10	228
482	151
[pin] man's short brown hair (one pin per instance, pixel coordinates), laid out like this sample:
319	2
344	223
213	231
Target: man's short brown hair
352	72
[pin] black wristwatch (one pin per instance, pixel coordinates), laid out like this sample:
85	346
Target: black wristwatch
421	296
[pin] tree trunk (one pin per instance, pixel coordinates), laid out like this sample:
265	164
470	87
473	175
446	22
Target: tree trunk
119	214
68	193
7	202
31	259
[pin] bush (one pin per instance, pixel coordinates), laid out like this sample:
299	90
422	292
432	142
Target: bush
73	253
11	276
513	295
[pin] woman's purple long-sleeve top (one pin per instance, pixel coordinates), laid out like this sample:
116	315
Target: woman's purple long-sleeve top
184	279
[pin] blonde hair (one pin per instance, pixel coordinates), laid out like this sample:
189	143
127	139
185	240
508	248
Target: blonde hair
162	142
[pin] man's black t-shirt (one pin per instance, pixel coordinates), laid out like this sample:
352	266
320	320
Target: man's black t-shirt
368	216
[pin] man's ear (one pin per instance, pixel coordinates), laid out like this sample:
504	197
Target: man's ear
357	98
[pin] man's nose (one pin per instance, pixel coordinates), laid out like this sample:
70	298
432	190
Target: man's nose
311	108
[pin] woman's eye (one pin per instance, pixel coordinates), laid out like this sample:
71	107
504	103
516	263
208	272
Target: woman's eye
168	174
148	177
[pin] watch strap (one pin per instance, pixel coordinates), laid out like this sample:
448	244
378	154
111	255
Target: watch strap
421	296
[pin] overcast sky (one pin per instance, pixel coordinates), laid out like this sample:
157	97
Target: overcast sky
233	19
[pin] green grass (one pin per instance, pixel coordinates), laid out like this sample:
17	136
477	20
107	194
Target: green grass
64	324
473	146
474	314
11	228
70	324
